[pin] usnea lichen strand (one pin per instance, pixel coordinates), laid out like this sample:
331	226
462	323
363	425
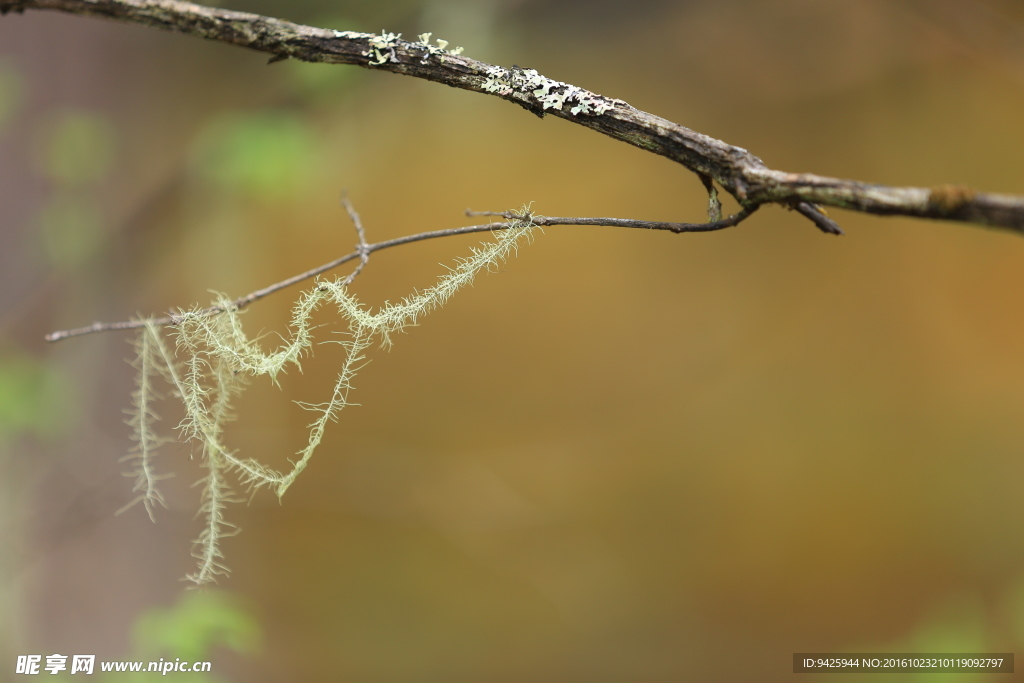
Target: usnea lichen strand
142	417
213	359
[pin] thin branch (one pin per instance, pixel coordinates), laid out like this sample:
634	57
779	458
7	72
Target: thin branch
363	251
677	228
653	225
819	218
735	169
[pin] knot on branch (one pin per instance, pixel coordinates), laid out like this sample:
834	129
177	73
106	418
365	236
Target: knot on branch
946	200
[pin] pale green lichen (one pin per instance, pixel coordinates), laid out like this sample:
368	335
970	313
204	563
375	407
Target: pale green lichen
352	35
217	359
382	48
148	365
439	50
549	93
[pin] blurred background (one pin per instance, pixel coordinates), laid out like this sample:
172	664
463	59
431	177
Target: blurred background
625	456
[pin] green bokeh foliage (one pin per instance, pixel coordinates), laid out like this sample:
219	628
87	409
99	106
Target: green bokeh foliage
191	630
10	91
76	148
33	397
74	151
268	155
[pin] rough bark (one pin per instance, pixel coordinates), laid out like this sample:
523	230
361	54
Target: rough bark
735	169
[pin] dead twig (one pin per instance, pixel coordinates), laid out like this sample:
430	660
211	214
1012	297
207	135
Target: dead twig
363	251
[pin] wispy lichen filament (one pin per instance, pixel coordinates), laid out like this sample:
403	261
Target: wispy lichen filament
217	358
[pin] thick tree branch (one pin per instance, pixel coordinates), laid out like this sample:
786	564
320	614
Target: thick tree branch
738	171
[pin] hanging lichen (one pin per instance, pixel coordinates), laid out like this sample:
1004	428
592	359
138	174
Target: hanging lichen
213	359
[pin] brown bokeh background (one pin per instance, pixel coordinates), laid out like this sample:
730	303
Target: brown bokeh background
626	455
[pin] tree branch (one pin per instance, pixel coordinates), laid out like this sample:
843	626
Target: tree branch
363	251
735	169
